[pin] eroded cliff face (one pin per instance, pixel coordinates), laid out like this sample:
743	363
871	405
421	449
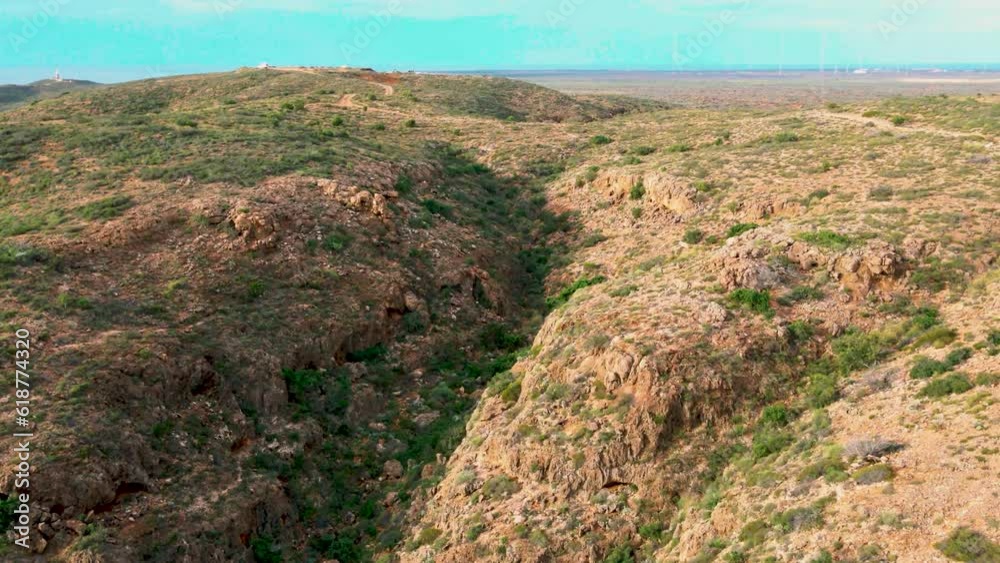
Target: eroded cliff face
276	324
727	343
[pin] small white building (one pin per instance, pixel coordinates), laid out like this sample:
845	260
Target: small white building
263	66
57	77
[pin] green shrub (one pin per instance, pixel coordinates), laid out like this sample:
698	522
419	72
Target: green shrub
652	531
873	474
337	241
740	228
410	123
954	384
598	140
756	301
68	301
987	379
636	212
822	390
499	486
800	293
993	338
337	121
898	120
800	331
620	554
926	368
754	533
7	507
796	519
638	191
106	208
294	105
831	468
428	536
936	275
438	208
643	150
265	550
680	147
827	239
499	337
775	415
857	351
786	137
474	531
186	121
693	236
881	193
967	545
563	296
769	441
938	337
368	355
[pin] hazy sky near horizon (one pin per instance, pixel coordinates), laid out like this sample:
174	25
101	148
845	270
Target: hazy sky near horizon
112	40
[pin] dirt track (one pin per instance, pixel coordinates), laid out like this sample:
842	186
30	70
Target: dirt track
886	125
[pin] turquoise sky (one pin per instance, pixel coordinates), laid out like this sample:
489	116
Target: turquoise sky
108	40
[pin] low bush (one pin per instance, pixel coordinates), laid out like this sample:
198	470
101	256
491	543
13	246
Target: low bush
954	384
637	192
769	441
873	474
693	236
499	486
775	415
967	545
599	140
106	208
566	293
740	228
827	239
796	519
821	390
756	301
857	350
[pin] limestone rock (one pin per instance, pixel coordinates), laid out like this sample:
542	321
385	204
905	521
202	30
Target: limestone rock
392	469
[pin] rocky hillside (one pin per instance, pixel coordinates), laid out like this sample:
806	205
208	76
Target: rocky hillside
312	315
12	95
776	340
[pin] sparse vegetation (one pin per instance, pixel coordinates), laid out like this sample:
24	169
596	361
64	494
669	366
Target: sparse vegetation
756	301
967	545
739	229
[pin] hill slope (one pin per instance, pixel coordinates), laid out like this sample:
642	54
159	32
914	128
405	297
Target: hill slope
12	95
287	315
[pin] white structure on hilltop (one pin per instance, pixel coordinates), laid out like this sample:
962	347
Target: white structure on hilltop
263	65
57	77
